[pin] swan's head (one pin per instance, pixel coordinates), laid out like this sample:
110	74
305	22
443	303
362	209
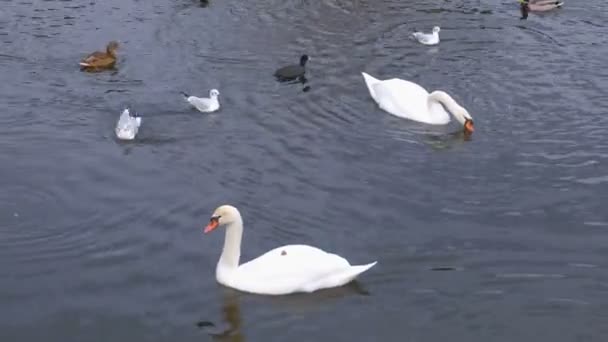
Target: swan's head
303	60
214	93
223	215
465	119
436	29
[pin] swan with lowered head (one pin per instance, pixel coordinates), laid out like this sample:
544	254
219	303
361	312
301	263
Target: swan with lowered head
283	270
408	100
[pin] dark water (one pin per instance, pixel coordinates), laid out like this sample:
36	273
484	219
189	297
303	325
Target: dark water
500	238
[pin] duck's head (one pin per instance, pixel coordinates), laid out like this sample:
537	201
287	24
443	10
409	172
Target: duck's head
436	29
303	60
112	47
222	215
214	93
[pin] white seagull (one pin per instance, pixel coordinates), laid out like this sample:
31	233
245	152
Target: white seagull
128	125
205	104
428	38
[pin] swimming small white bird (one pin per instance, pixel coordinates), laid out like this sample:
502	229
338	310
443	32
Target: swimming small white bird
280	271
128	125
428	38
205	104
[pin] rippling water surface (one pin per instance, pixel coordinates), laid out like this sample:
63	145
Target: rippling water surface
503	237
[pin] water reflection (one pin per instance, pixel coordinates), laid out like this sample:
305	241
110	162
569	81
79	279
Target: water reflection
308	302
232	322
446	141
231	316
436	137
300	80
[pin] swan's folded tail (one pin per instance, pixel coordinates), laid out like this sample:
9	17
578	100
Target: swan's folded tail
354	271
339	278
370	81
358	269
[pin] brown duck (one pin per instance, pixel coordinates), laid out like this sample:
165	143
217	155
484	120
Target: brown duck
101	60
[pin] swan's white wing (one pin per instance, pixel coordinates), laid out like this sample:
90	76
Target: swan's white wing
293	268
408	100
293	260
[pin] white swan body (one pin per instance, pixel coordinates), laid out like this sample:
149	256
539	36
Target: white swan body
428	38
205	104
283	270
408	100
127	125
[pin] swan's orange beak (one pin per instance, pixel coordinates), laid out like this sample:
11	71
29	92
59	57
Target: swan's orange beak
214	222
469	128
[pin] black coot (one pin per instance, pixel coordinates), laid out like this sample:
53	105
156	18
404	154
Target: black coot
292	72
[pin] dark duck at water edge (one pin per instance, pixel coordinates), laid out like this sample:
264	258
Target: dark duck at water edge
292	72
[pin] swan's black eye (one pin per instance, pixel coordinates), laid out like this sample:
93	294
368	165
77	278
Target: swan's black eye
215	218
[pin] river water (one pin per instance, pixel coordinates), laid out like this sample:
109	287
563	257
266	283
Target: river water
501	237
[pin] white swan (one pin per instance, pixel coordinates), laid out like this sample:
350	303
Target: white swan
205	104
127	125
283	270
428	38
409	100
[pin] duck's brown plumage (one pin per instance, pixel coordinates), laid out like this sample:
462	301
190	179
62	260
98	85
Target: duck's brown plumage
101	60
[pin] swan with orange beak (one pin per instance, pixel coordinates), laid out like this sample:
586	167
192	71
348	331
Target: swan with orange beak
408	100
283	270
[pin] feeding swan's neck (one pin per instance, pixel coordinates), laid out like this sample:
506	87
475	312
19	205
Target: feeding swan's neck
231	253
448	102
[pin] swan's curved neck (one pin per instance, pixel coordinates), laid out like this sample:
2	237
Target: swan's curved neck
448	102
232	245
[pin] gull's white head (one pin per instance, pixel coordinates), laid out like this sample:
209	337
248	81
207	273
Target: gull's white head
214	93
223	215
436	29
